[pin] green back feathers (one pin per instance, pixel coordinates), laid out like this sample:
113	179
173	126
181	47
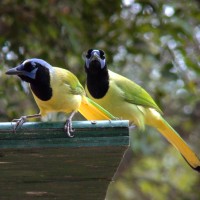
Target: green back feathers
133	93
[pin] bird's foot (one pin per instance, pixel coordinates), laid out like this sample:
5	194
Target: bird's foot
18	122
68	128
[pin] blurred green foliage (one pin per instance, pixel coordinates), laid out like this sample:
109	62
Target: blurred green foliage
156	43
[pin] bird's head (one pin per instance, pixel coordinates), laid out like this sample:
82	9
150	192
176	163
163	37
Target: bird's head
95	61
31	69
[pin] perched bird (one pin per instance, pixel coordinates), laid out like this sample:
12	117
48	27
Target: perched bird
126	100
56	90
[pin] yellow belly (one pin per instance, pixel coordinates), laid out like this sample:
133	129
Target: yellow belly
63	103
114	103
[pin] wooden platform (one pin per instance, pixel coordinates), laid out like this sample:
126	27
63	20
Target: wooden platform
39	161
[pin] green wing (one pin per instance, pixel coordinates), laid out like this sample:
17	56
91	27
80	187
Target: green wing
132	92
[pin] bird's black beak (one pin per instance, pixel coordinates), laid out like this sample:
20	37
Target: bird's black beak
15	71
95	56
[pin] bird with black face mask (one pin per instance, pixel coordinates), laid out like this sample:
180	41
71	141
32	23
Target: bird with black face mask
56	90
126	100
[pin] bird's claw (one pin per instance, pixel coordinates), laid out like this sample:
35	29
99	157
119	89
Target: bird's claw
68	128
18	122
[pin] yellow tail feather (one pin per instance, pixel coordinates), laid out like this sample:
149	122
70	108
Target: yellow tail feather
173	137
92	111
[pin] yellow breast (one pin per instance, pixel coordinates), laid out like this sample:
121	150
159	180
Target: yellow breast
66	93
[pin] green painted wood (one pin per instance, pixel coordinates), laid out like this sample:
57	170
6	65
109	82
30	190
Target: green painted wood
51	134
58	173
40	161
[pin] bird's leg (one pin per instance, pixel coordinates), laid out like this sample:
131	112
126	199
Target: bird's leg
68	125
22	119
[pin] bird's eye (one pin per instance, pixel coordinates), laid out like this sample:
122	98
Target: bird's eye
88	55
29	66
33	65
102	54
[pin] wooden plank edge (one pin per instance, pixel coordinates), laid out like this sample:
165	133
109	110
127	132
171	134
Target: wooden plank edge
75	124
55	129
51	134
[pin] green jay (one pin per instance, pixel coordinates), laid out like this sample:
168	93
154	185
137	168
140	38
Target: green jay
126	100
56	90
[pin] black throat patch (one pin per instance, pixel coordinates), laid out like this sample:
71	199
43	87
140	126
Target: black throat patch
41	85
97	83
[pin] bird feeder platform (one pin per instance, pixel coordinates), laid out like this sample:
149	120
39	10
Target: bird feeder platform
40	161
